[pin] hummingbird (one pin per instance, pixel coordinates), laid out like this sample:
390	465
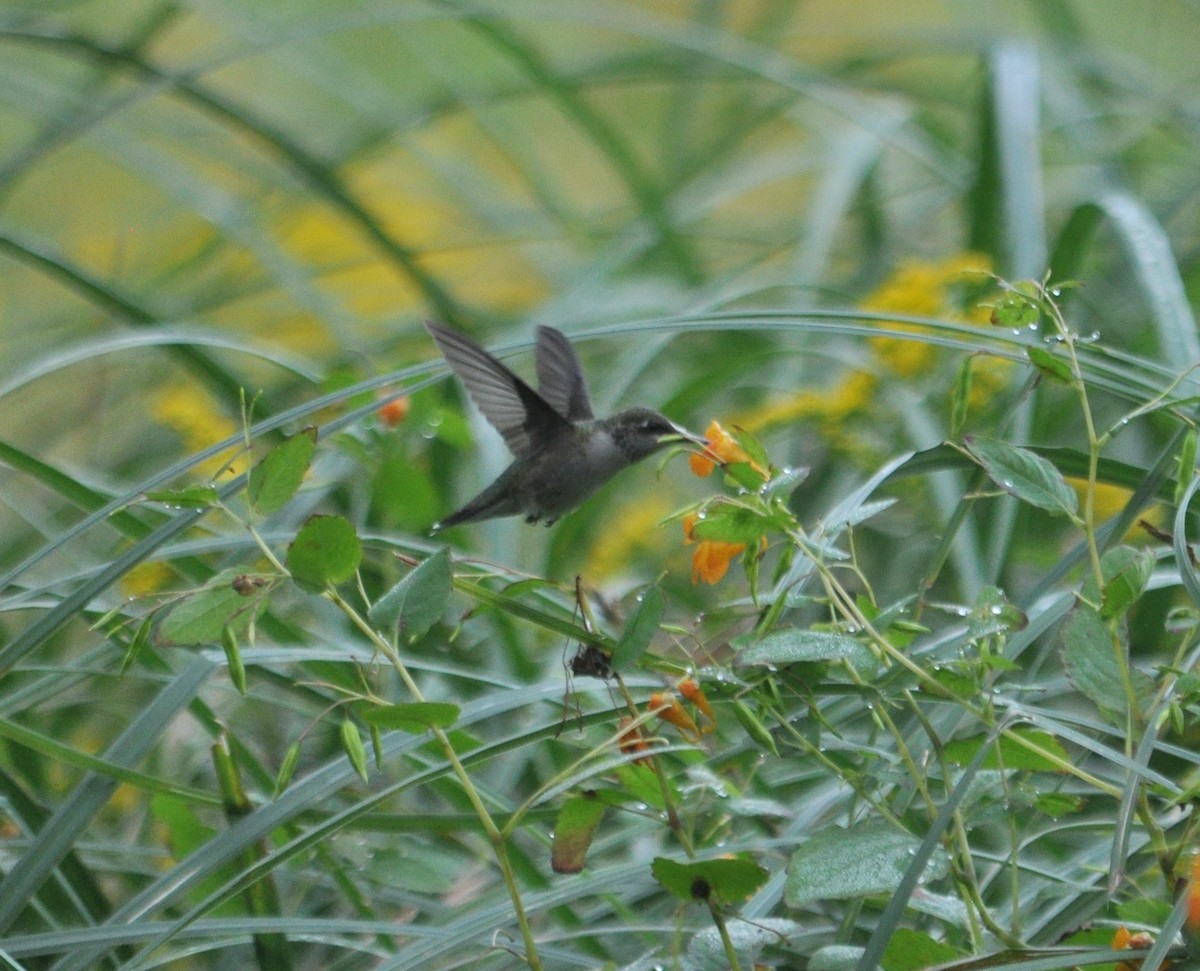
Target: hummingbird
563	453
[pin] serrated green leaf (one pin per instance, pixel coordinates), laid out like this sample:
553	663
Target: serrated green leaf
576	825
1126	572
869	858
1023	474
1091	664
418	601
795	645
1007	753
201	617
413	717
728	880
639	629
352	745
325	552
275	479
197	496
835	957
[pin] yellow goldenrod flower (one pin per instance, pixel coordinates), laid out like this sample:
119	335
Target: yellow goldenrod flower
149	576
194	415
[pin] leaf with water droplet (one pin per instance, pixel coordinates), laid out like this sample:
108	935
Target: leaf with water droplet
198	496
1015	310
1024	474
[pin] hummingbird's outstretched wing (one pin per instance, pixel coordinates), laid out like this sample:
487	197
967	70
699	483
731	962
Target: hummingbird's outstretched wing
525	419
560	378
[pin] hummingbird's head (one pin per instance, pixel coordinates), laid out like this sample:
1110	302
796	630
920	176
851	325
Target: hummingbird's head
642	431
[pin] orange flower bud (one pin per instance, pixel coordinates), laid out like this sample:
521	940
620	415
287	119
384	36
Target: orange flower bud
394	411
668	708
630	739
691	690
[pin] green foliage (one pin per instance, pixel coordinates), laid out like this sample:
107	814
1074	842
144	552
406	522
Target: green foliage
926	692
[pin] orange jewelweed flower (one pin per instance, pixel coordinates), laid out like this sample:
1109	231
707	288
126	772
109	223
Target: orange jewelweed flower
710	562
691	690
719	449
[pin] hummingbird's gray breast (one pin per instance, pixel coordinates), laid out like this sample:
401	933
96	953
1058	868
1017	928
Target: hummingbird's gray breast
560	477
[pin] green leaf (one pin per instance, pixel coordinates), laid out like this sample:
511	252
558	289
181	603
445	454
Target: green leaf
1015	310
1091	664
865	859
835	957
794	645
275	479
352	744
1023	474
413	717
201	617
576	825
745	475
1126	572
729	523
728	880
1057	804
136	643
911	950
961	398
1049	365
287	768
198	496
993	614
325	552
233	658
757	731
1185	466
1007	753
418	601
639	629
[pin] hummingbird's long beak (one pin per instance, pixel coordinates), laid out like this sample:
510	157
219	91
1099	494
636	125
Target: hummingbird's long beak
683	435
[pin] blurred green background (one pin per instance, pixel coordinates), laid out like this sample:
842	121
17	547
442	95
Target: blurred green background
310	180
720	199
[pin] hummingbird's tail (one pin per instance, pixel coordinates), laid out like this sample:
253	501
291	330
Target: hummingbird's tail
496	500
